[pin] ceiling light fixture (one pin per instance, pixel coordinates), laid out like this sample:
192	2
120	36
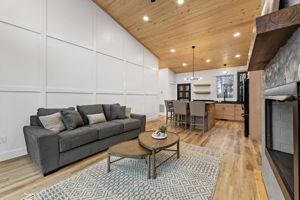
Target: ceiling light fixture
172	50
193	78
237	55
184	64
207	60
146	18
180	2
225	71
237	34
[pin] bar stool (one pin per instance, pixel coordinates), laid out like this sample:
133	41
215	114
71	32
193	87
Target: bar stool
169	111
181	113
197	110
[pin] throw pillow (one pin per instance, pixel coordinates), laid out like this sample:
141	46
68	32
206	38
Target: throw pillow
117	111
89	110
71	119
106	109
128	112
96	118
53	122
49	111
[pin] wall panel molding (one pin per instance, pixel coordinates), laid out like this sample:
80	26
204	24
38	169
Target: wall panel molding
25	14
66	59
11	88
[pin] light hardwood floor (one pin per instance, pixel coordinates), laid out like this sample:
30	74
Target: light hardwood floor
239	178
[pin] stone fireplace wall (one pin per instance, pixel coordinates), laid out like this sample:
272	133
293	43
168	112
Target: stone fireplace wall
282	69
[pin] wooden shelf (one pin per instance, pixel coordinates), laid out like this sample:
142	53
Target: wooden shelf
201	92
272	32
201	84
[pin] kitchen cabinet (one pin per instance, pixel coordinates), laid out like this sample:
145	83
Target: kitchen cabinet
228	111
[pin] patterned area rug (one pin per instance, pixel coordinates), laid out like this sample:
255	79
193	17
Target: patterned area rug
193	176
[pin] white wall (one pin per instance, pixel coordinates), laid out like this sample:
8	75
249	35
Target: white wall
167	86
209	76
59	53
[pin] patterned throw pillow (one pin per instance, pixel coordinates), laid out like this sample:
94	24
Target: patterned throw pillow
71	119
53	122
96	118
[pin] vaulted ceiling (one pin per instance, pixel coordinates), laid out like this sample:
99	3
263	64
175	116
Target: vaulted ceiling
207	24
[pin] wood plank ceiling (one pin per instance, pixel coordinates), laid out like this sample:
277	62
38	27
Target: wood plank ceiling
207	24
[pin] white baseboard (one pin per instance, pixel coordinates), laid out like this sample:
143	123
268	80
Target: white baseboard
151	118
12	153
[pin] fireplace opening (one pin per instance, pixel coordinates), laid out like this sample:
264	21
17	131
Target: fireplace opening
282	141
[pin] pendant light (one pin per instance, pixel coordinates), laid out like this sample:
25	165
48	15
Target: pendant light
193	78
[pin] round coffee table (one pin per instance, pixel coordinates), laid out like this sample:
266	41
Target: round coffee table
129	149
156	146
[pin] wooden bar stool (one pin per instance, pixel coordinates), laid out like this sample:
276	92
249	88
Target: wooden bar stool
181	112
197	110
169	111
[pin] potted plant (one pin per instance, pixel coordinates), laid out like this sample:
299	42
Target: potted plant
162	130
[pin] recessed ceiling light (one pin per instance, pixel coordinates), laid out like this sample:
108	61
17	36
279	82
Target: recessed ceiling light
146	18
207	60
184	64
172	50
180	2
237	55
237	34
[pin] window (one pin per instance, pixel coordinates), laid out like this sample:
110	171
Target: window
225	86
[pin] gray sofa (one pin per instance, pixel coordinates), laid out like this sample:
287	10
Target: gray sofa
50	151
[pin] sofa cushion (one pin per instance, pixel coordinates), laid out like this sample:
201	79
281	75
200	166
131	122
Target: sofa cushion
117	111
85	110
129	124
107	129
50	111
74	138
71	119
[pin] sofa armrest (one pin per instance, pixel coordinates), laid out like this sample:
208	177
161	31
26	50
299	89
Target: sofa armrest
142	118
42	146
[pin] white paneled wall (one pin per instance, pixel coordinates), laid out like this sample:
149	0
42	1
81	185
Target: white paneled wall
59	53
19	57
71	21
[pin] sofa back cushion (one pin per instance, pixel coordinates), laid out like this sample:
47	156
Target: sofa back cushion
34	120
50	111
85	110
72	119
117	111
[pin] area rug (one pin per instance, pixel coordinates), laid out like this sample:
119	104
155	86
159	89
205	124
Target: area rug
192	176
